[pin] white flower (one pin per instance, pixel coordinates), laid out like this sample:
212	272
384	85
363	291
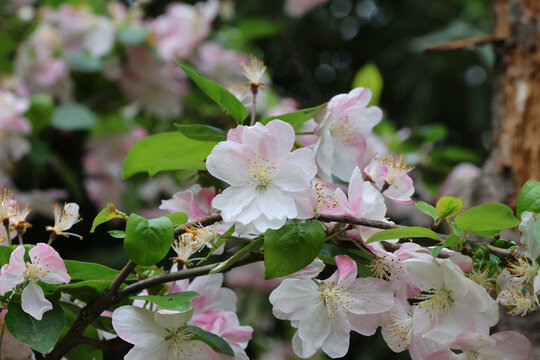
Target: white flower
159	335
65	219
269	183
324	312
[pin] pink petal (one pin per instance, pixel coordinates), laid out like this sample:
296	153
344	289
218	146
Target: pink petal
50	262
346	268
11	274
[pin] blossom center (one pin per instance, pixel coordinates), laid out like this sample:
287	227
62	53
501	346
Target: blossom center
177	339
343	129
34	272
436	301
401	330
260	172
396	167
335	296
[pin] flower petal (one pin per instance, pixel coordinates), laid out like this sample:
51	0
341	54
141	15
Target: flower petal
137	326
34	302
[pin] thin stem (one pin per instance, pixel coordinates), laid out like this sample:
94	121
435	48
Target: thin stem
6	226
51	238
254	105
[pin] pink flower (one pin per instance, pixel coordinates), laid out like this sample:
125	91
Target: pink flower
46	265
390	176
196	202
183	27
158	335
219	64
505	345
269	184
343	125
225	324
324	312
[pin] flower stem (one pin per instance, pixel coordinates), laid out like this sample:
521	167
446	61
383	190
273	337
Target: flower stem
6	226
254	90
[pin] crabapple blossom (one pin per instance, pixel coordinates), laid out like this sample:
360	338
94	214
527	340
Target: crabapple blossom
195	202
342	126
158	335
324	312
389	175
450	303
505	345
269	184
46	265
225	324
64	219
364	201
192	241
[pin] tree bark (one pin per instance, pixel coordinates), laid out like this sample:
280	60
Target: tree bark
515	137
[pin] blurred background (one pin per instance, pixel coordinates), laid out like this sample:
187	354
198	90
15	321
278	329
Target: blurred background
89	78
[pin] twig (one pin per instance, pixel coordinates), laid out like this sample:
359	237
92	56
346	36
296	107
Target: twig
464	43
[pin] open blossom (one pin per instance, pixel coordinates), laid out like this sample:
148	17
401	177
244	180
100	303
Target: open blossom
158	335
343	125
254	72
390	176
191	242
196	202
324	312
504	345
177	32
64	219
46	265
269	184
450	303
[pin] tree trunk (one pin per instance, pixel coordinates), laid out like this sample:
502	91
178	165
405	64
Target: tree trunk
515	152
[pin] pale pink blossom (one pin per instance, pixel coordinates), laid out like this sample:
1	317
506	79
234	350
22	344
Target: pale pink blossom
450	303
219	64
196	202
390	177
64	219
158	335
12	348
324	312
363	201
298	8
46	265
342	126
397	326
12	108
269	184
155	86
226	325
182	28
505	345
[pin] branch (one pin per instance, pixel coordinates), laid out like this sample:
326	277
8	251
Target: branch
358	221
464	43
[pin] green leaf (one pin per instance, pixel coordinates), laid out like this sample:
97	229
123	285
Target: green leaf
117	234
215	342
292	247
178	302
5	253
166	151
202	132
177	219
217	93
255	245
370	77
148	241
107	214
130	35
529	198
427	209
73	117
487	218
451	240
257	28
297	118
405	232
79	270
84	62
87	290
448	206
39	335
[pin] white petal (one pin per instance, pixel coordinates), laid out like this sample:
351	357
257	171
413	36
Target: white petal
137	326
173	319
154	351
371	296
34	302
233	201
337	343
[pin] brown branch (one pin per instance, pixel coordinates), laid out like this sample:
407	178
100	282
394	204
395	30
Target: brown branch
112	296
464	43
358	221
